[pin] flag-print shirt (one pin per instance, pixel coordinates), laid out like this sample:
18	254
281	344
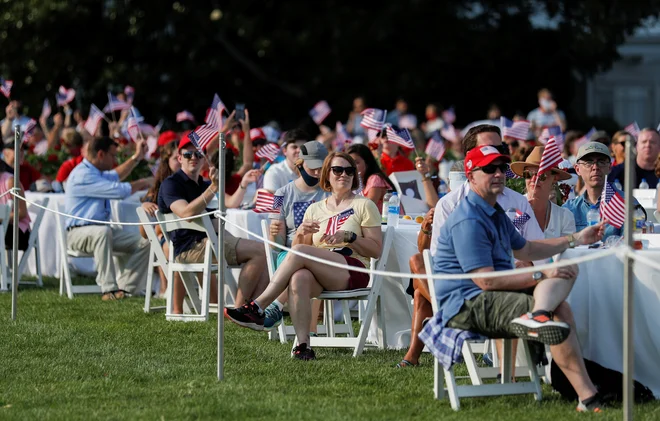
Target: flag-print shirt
294	204
365	215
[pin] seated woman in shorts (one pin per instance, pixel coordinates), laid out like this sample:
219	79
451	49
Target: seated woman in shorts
357	240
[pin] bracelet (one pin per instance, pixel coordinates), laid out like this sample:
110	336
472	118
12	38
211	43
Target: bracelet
425	232
241	186
204	198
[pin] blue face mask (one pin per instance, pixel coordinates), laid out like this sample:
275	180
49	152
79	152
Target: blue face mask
308	179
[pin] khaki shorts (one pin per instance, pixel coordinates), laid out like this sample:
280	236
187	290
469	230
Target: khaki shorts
196	253
490	313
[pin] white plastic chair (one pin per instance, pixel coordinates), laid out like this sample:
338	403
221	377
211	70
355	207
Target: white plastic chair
5	277
407	182
476	374
198	295
371	294
66	285
157	257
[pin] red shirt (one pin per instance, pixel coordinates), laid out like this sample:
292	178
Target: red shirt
231	185
67	167
29	175
399	163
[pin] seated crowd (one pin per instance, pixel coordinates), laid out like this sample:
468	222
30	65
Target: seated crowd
468	230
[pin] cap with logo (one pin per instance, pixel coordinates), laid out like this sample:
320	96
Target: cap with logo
482	156
592	147
313	153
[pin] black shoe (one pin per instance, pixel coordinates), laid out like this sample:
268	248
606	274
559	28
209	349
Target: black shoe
248	315
302	352
593	404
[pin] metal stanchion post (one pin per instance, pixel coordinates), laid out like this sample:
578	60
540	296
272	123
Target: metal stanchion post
14	250
221	254
628	283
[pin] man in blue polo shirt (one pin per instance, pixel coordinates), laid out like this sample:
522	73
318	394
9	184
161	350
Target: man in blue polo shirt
185	193
478	237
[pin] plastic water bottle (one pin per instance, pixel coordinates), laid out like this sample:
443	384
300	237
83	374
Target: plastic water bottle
639	219
593	216
386	201
643	184
393	206
617	185
442	189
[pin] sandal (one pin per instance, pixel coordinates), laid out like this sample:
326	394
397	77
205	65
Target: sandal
406	363
112	296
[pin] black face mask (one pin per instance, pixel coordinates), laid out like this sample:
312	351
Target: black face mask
308	179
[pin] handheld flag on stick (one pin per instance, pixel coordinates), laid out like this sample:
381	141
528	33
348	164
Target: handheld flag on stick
5	87
551	157
612	206
214	114
320	111
268	203
64	96
46	109
399	136
337	221
435	148
554	131
93	120
129	91
184	116
515	129
115	104
449	115
342	138
633	129
269	152
584	139
520	220
373	118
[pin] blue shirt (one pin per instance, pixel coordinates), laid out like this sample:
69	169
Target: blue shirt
21	120
542	119
88	193
475	235
179	186
581	205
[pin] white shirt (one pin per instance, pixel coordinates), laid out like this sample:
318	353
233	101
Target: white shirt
508	199
561	224
278	175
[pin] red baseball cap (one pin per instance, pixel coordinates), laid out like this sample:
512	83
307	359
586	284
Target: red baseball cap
257	133
482	156
184	141
167	137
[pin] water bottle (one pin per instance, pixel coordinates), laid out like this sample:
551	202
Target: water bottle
393	211
617	185
639	220
386	201
442	189
593	216
643	184
571	194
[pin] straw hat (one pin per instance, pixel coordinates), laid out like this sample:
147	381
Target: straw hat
534	160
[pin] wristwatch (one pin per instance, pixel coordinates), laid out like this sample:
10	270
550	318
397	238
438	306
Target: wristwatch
349	236
571	241
537	277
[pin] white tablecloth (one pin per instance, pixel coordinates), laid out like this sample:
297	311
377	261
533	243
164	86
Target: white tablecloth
597	303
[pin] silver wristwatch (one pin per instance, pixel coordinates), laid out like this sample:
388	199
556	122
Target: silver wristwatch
537	277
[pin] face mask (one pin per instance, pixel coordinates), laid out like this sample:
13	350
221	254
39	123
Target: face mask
545	104
308	179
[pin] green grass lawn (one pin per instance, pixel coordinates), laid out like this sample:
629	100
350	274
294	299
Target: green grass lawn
87	359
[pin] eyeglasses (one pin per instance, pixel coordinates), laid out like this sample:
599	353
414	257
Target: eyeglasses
491	168
528	175
189	154
590	164
350	171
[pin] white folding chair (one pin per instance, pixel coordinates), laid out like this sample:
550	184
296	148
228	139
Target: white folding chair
5	277
371	294
410	186
157	257
198	295
33	245
476	373
66	285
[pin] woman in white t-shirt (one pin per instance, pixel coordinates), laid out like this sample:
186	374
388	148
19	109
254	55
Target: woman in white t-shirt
345	229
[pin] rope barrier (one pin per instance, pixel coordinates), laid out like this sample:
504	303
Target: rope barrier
619	251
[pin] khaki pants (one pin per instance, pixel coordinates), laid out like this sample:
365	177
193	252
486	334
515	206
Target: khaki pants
103	241
196	253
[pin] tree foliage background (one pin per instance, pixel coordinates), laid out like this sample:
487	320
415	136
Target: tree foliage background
280	57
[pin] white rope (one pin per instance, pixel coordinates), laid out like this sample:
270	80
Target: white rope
98	222
12	191
643	259
561	263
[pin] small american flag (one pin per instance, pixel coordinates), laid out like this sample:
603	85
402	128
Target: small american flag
115	104
46	109
147	129
269	152
5	87
633	129
133	129
268	203
449	115
515	129
64	96
184	116
510	174
95	117
520	220
342	138
554	131
320	111
129	91
28	129
337	221
449	133
612	206
551	156
373	118
399	136
372	135
584	139
214	114
436	146
202	136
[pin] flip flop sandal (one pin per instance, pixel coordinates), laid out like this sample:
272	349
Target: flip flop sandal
406	363
108	296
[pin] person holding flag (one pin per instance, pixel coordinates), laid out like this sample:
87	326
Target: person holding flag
345	229
397	144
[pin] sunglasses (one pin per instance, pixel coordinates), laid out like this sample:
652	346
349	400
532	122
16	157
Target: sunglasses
491	168
528	175
350	171
189	154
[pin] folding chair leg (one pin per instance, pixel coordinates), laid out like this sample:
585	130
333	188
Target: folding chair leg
37	261
364	328
380	320
452	389
506	361
4	276
330	326
438	381
471	364
150	279
347	318
281	330
533	372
